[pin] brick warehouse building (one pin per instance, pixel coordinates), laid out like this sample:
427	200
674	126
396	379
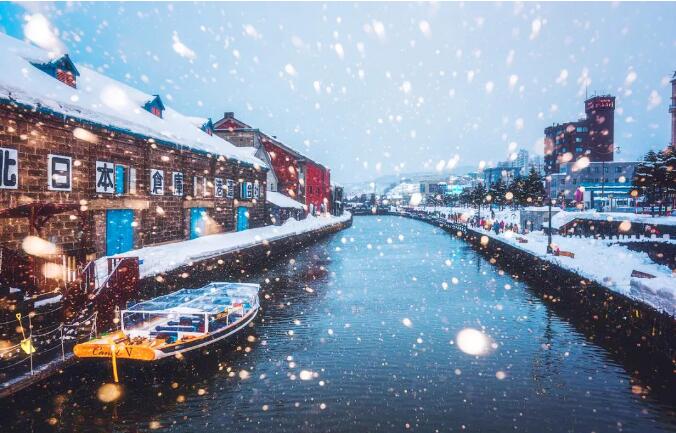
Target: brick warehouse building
592	136
297	176
96	167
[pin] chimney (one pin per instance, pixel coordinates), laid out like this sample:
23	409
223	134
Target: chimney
228	115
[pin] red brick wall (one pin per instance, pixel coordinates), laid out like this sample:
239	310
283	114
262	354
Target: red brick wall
35	135
317	185
286	169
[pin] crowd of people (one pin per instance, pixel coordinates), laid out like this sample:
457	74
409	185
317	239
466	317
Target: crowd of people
498	226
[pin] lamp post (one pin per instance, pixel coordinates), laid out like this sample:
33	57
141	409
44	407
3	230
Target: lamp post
612	150
549	209
549	230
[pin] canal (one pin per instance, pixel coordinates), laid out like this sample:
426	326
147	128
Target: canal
390	325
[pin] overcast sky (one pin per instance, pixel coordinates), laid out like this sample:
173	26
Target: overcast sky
371	88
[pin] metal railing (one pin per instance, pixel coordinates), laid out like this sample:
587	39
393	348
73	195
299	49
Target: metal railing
42	349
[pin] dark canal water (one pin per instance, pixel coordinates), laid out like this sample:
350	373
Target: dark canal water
359	333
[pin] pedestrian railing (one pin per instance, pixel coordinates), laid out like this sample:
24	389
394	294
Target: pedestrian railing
41	349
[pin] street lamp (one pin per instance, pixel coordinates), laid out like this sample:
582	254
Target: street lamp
549	206
634	194
612	150
549	231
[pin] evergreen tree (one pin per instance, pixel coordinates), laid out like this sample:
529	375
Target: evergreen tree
517	190
479	195
534	189
465	197
498	191
664	178
645	179
668	166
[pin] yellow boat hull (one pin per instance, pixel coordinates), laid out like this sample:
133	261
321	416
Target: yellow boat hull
103	348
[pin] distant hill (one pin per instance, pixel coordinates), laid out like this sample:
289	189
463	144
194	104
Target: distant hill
381	184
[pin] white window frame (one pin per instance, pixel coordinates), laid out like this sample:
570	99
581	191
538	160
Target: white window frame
173	184
217	181
230	188
96	177
164	181
50	173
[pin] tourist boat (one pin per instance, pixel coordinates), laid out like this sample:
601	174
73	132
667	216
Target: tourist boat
179	322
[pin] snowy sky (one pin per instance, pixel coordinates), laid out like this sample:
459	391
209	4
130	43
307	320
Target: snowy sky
372	88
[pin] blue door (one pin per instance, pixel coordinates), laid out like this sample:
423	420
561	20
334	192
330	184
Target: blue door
198	222
242	218
119	231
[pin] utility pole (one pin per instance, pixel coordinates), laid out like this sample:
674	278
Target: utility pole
603	183
549	205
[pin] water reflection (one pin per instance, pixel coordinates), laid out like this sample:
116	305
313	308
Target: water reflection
391	325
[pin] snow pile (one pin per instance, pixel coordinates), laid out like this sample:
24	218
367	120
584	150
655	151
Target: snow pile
47	301
280	200
101	100
607	263
507	215
565	217
164	258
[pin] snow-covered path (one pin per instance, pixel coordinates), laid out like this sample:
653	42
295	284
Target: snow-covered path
163	258
605	262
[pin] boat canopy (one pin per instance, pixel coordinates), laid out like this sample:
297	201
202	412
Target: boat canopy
210	299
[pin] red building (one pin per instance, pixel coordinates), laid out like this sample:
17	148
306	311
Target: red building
317	186
297	176
592	137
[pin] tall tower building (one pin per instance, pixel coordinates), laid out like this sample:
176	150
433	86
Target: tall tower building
600	112
672	110
592	137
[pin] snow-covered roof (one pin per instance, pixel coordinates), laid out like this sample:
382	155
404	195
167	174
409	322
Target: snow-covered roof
281	200
197	121
101	100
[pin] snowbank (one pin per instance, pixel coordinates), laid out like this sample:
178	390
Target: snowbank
607	263
565	217
164	258
507	215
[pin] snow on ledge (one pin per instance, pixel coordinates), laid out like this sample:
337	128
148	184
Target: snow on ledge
564	217
163	258
282	201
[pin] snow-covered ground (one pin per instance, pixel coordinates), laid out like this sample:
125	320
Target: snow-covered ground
507	214
163	258
564	217
559	218
604	261
607	263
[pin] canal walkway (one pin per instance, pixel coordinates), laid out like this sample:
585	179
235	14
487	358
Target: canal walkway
159	259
